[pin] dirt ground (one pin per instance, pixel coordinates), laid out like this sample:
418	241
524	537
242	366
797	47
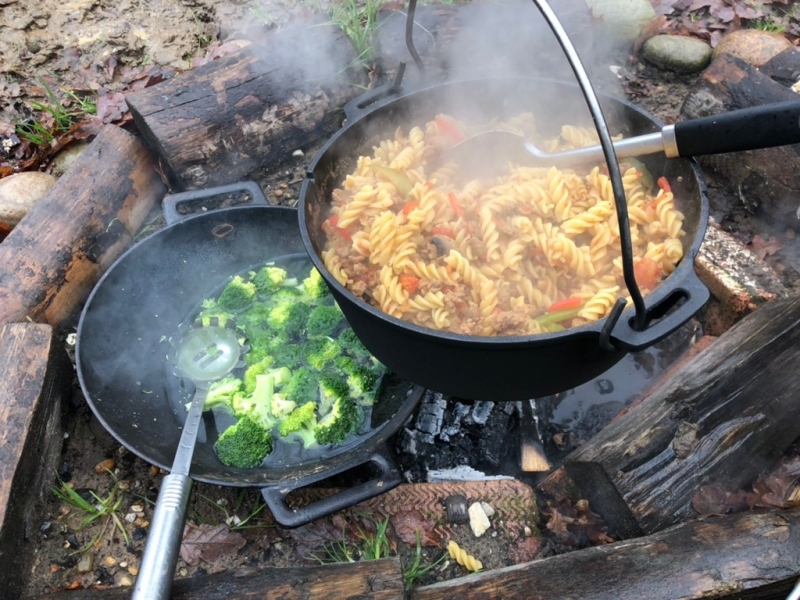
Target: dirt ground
113	45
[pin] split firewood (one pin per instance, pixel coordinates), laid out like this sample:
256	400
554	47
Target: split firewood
719	421
743	556
51	261
222	121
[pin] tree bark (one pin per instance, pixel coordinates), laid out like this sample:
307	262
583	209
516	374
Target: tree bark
218	123
365	580
743	556
55	255
720	421
34	375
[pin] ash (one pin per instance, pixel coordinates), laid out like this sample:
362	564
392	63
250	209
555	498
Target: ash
447	433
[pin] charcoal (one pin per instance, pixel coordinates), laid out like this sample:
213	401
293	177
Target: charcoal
431	412
480	412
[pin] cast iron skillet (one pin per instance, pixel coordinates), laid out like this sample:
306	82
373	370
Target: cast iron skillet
502	368
121	351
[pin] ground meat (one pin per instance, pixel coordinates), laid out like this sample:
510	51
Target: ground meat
456	296
358	288
509	322
470	326
477	245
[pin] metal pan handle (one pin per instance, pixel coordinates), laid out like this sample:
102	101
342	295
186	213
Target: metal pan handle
387	478
171	202
371	101
687	296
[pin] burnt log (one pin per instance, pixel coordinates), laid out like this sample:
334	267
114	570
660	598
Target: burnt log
765	178
737	556
52	259
365	580
35	375
224	120
719	421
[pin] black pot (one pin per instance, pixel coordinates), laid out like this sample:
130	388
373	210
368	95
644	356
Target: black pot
131	388
503	368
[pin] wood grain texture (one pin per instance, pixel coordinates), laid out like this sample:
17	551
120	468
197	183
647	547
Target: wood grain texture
35	382
720	420
50	262
219	122
736	556
365	580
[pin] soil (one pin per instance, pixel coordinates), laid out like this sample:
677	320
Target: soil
106	46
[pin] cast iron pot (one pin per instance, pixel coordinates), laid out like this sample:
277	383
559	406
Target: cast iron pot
502	368
121	352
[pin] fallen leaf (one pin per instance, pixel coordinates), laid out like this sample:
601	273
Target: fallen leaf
710	500
524	549
407	523
209	543
779	487
765	247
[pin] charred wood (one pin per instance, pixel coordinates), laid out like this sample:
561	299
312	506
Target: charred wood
50	261
367	580
719	421
222	121
742	556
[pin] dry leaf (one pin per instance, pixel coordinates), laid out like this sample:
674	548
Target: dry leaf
209	543
408	523
765	247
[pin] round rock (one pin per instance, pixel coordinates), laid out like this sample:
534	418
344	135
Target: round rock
622	20
753	46
677	53
19	192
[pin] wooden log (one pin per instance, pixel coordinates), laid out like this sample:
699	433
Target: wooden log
765	178
365	580
35	380
741	556
52	259
219	122
721	420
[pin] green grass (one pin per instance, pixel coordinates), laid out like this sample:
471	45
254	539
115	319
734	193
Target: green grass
414	570
358	19
62	116
231	517
768	24
102	508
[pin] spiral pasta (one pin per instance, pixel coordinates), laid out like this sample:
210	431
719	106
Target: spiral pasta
492	257
463	558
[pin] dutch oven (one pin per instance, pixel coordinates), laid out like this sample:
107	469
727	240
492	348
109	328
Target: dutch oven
121	351
511	367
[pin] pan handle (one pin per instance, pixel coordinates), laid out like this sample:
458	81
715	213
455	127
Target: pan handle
374	99
171	202
388	477
164	540
686	297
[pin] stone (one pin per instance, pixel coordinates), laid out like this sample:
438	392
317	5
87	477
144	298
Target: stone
622	20
86	563
478	521
64	159
19	192
753	46
677	53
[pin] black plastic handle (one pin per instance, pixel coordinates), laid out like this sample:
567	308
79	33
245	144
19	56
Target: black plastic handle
687	289
764	126
275	496
171	202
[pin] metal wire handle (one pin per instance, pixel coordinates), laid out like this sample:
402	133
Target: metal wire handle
640	321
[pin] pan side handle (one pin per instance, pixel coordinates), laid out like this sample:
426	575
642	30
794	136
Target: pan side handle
387	478
171	202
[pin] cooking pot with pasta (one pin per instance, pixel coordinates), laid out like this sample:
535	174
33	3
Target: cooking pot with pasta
498	288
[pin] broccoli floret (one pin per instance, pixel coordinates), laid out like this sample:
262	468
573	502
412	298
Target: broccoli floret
300	417
332	387
260	368
259	404
281	406
364	383
222	392
268	278
314	285
245	444
352	345
289	317
211	314
305	436
302	387
253	321
344	419
237	295
320	352
323	321
284	295
288	355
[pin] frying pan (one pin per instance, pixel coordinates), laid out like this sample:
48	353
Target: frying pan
121	351
512	367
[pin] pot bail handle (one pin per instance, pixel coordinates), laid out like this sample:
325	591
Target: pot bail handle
171	202
387	478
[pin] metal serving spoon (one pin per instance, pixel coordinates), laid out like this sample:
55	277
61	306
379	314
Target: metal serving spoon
204	355
753	128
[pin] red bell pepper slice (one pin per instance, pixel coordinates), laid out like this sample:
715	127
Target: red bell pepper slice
455	204
409	206
565	304
664	184
450	129
409	282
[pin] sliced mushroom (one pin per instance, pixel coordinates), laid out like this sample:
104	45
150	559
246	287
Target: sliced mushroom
443	244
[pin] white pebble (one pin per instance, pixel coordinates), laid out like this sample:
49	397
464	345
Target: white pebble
487	508
298	154
130	517
478	521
